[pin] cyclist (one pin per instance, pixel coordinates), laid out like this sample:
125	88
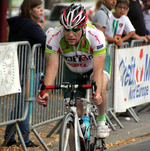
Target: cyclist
84	50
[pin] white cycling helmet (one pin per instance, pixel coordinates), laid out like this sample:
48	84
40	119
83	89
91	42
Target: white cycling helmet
74	16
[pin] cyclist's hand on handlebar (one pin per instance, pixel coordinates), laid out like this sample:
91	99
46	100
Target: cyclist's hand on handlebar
97	100
42	99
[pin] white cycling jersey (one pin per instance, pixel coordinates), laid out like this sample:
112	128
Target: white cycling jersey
78	59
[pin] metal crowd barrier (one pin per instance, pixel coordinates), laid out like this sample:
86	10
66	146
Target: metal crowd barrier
136	43
14	107
111	49
110	110
110	88
55	110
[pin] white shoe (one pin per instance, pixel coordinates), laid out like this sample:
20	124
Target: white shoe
102	129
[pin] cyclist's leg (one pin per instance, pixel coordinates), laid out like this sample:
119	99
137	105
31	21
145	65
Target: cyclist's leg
102	129
102	107
106	78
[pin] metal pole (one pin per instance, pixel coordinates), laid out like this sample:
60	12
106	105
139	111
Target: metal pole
3	24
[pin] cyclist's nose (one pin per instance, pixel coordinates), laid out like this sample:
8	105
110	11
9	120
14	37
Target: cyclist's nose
70	33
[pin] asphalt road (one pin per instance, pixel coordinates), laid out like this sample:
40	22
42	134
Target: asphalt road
142	145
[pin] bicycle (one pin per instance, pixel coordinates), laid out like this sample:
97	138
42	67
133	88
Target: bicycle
84	141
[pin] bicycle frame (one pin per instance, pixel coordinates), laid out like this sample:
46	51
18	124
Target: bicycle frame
88	106
77	129
73	108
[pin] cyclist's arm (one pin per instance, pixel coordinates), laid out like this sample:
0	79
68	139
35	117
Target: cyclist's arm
99	55
52	61
49	79
51	56
98	66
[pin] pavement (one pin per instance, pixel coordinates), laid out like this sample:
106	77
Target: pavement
140	145
132	129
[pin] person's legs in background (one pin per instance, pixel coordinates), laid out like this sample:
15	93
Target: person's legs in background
23	126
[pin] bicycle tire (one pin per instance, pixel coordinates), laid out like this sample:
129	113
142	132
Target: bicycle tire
65	132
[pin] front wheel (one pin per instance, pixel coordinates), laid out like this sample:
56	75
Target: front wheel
66	132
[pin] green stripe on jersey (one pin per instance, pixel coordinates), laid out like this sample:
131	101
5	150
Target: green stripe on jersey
115	26
99	52
84	46
90	25
50	51
65	47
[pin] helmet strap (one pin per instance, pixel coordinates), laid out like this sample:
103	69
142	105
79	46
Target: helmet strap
82	33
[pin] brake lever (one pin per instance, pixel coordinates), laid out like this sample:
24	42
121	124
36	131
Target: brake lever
94	88
42	92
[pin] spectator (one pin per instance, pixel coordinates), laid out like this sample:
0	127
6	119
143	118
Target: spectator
136	17
97	25
121	22
93	9
25	28
102	16
42	21
146	14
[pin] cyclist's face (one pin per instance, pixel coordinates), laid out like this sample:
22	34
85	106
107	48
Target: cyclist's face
73	37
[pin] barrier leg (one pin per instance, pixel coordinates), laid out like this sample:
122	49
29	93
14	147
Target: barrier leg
40	139
144	107
16	127
133	114
116	119
21	138
110	123
8	137
55	127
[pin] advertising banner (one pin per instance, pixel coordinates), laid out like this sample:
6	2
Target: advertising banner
9	70
132	77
